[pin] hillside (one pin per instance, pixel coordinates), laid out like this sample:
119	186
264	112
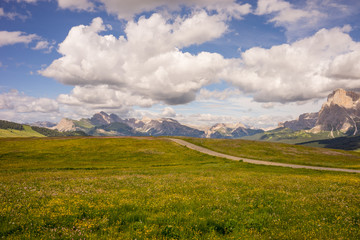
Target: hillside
286	135
344	143
11	129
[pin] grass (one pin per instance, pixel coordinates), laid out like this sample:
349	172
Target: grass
84	123
345	143
27	132
286	135
129	188
281	152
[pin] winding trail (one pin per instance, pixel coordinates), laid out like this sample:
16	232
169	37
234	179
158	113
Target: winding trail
259	162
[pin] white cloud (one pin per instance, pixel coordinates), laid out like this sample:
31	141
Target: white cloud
307	69
44	45
147	63
126	9
76	5
297	20
21	103
168	112
284	12
303	18
10	38
100	97
12	15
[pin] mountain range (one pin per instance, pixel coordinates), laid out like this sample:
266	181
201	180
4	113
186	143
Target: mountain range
103	124
338	117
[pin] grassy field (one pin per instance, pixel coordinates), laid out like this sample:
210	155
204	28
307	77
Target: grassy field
281	152
127	188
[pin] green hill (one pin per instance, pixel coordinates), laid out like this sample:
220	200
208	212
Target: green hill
11	129
26	132
286	135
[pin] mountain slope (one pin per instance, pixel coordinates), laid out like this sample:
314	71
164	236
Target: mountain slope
344	143
222	130
169	127
103	124
305	121
11	129
114	129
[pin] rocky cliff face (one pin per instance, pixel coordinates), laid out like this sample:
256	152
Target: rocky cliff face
341	113
103	118
305	121
65	125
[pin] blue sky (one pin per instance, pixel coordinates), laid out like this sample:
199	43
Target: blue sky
199	61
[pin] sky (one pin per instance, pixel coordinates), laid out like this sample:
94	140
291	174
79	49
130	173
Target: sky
258	62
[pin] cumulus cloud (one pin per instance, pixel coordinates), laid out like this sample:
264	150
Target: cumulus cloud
76	5
306	69
126	9
10	38
147	62
103	96
44	45
21	103
297	20
168	112
284	12
303	18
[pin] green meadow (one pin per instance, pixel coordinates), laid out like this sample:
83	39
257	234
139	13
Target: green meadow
152	188
282	152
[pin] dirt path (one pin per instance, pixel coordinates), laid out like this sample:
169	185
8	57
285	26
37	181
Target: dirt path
216	154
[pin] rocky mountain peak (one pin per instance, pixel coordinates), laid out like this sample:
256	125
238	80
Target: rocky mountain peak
340	113
102	118
65	125
343	98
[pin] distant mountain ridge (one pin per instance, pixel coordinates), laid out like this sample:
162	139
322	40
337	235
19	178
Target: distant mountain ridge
103	124
221	130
